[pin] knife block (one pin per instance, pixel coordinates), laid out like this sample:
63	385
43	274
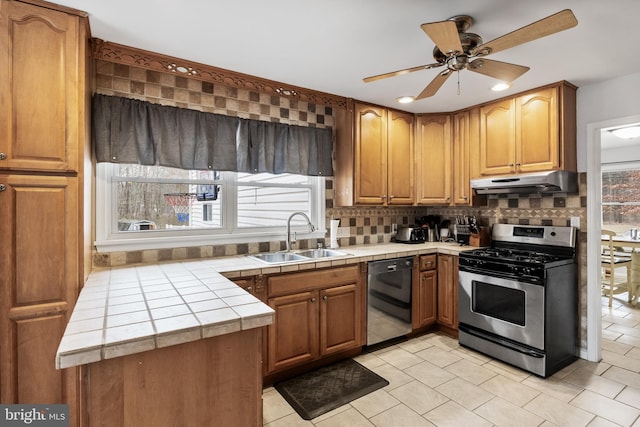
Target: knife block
480	239
462	234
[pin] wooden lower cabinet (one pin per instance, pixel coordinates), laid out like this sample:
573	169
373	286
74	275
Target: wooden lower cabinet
210	382
425	293
40	275
448	291
318	313
293	337
340	319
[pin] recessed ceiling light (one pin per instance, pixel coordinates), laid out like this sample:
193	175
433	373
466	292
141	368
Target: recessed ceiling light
500	86
627	133
405	99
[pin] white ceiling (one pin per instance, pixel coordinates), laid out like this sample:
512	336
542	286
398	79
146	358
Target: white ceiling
331	45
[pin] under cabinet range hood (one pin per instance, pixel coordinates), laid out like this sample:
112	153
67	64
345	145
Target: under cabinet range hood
537	182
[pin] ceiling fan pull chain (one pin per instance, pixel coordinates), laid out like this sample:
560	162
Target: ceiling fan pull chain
458	82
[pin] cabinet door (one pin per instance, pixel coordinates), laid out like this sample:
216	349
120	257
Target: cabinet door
537	132
42	53
447	291
461	154
425	305
39	282
371	155
293	336
497	138
400	155
340	319
434	159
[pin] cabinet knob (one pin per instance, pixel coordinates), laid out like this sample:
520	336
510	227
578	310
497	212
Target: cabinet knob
250	289
3	187
325	298
518	164
510	165
313	299
384	196
391	197
464	197
3	156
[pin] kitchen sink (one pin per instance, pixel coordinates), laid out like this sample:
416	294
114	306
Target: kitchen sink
278	257
282	257
321	253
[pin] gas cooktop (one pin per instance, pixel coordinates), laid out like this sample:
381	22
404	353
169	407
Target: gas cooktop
515	255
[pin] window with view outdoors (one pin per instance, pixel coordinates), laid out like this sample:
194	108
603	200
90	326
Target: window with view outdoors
154	202
621	198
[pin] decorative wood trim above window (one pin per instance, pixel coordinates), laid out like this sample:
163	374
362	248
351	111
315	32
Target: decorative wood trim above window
121	54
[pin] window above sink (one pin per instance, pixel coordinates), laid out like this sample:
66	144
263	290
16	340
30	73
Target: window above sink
197	208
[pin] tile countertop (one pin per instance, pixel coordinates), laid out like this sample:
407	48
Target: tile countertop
128	310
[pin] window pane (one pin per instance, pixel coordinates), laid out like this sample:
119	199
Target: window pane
621	199
163	205
266	200
271	206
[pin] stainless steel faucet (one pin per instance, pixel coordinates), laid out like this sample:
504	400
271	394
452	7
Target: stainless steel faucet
311	228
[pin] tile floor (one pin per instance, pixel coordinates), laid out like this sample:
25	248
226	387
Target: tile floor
435	382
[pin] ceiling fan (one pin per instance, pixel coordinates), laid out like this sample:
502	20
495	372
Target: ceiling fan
458	50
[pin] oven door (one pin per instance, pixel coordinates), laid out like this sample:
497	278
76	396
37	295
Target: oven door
504	307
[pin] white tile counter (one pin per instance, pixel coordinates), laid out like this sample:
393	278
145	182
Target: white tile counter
127	310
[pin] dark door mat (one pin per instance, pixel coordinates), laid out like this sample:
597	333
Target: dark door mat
317	392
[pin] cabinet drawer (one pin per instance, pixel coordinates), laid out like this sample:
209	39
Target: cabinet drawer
428	262
288	283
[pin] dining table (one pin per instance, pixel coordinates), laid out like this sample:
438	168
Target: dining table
626	241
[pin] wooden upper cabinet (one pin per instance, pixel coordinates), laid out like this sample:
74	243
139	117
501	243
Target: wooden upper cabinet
374	157
497	138
400	163
535	131
461	158
433	159
370	155
41	66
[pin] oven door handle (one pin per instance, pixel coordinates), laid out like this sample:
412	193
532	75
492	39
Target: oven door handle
500	275
500	341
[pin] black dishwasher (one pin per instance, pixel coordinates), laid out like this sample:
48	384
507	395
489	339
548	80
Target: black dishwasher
388	299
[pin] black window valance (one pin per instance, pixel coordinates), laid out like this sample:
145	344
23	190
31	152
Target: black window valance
132	131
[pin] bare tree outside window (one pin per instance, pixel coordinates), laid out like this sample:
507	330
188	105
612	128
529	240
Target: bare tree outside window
621	200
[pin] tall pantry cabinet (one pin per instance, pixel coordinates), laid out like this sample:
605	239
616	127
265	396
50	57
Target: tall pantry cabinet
43	126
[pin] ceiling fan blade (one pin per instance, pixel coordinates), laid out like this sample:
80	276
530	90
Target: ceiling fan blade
435	84
560	21
444	34
401	72
496	69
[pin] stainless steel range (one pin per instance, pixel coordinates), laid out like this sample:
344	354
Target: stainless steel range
518	299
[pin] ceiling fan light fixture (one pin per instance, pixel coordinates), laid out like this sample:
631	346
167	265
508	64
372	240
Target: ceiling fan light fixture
500	86
406	99
628	132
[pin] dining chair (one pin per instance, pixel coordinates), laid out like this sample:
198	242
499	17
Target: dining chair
609	261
